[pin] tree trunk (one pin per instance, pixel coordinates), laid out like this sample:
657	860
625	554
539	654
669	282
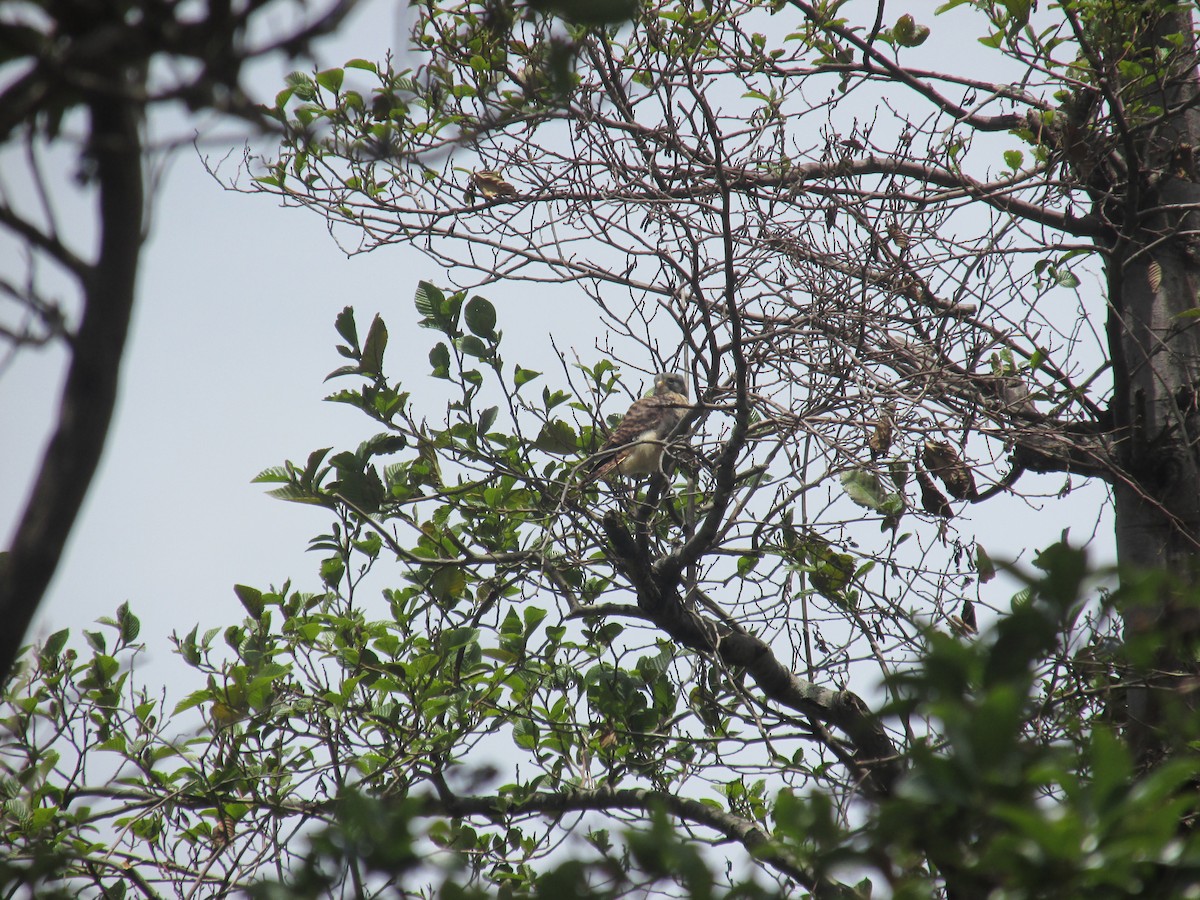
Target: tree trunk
90	393
1154	337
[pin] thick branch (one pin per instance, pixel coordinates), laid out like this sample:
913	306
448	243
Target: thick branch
1041	443
874	759
90	392
745	832
878	63
998	195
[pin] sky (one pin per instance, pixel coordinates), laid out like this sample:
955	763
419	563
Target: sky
223	377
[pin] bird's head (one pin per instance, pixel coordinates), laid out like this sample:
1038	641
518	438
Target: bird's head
670	382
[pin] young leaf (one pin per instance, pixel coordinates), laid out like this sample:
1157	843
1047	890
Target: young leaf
331	79
1066	279
251	599
863	488
523	376
439	359
487	418
481	317
346	328
372	355
129	624
428	300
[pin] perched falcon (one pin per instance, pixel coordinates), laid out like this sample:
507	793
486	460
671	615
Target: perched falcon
636	446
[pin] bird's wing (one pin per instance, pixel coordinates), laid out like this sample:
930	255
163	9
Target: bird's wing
643	415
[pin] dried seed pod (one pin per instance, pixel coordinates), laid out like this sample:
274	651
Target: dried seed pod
880	440
1154	275
933	501
968	616
964	624
222	832
898	235
942	460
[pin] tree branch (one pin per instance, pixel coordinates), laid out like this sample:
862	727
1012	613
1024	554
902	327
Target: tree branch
875	759
747	833
90	391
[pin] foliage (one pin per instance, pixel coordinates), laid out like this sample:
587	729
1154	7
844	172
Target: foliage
467	738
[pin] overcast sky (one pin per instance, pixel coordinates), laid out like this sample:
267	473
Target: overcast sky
232	337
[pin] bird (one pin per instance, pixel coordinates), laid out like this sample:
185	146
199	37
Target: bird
636	445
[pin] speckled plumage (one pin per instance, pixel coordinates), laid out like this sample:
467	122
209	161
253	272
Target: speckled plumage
636	446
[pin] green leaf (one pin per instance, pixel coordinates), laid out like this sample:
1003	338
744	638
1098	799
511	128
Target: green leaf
522	377
332	569
1066	279
370	545
128	623
428	300
192	700
364	64
346	328
487	418
984	566
313	464
454	638
1013	159
557	437
55	643
746	563
301	85
382	444
439	359
533	617
372	354
295	493
1018	11
331	79
863	488
472	346
283	97
251	599
448	584
480	315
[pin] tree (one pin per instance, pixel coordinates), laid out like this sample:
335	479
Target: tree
109	66
875	311
893	244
